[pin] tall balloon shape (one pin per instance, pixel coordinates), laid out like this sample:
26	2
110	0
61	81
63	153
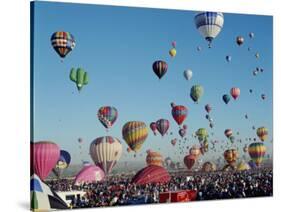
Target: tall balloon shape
44	156
235	92
226	98
135	134
162	126
160	68
196	92
189	161
257	152
187	74
105	152
179	113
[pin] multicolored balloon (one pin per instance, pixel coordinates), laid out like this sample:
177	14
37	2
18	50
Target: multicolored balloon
135	134
209	167
231	156
262	133
62	163
154	158
257	152
160	68
162	126
196	92
63	43
174	141
105	152
209	24
179	113
208	108
107	116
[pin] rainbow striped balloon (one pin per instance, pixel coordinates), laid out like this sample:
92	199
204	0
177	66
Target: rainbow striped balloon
257	152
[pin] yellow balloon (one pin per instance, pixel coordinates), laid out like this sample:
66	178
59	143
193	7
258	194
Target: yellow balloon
173	52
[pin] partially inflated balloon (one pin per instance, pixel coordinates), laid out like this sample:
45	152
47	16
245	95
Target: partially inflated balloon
63	43
179	113
162	126
262	133
135	134
257	152
209	24
160	68
189	161
187	74
107	116
196	92
105	152
44	156
235	92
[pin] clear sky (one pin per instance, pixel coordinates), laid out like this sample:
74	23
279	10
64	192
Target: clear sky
117	46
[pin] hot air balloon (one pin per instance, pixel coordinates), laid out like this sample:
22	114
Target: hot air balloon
196	92
239	40
209	167
208	108
251	90
262	133
151	174
107	116
235	92
80	77
168	161
182	132
89	174
173	52
194	150
226	98
153	127
174	44
105	152
243	166
251	35
44	156
160	68
179	113
135	134
184	126
62	163
187	74
257	55
209	24
245	148
63	43
257	152
189	161
199	48
228	58
154	158
162	126
228	133
211	125
174	141
263	96
202	134
231	156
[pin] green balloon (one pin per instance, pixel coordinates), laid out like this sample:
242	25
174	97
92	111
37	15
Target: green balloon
196	92
80	77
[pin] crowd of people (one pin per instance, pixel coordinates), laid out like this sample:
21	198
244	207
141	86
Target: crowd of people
209	186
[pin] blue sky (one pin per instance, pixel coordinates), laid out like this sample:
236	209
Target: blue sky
117	46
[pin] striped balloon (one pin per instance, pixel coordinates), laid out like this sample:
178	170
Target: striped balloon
162	126
257	152
43	157
209	24
235	92
63	43
160	68
262	133
154	158
135	134
105	152
179	113
107	116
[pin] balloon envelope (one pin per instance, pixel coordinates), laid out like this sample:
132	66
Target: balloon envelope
89	174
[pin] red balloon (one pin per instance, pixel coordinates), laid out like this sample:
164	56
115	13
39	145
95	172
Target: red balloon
153	127
235	92
44	156
189	161
179	113
151	174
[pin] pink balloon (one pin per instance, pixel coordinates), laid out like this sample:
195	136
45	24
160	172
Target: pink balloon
89	174
44	157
